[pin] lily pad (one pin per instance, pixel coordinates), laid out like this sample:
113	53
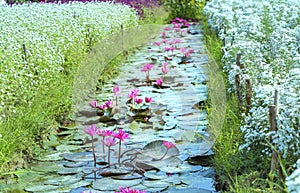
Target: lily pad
80	184
195	180
61	180
155	184
46	167
41	188
55	156
154	175
70	164
67	147
113	172
127	177
80	157
65	171
109	184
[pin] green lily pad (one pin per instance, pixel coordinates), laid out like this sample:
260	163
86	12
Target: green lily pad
61	180
55	156
67	147
80	157
87	120
127	177
134	125
109	184
70	164
155	184
65	133
154	175
195	180
41	188
46	167
80	184
65	171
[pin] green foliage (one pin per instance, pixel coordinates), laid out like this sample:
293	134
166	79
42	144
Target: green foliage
155	15
244	171
37	77
187	9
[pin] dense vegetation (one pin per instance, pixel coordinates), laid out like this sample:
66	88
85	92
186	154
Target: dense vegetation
41	54
42	47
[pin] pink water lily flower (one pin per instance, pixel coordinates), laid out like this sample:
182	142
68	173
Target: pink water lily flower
122	135
167	29
109	141
187	54
147	67
156	43
91	130
94	103
133	93
105	133
109	104
168	145
138	100
191	51
116	90
176	29
164	70
165	41
129	190
183	50
148	99
167	48
159	82
102	107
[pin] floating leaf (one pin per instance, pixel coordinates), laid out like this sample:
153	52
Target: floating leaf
80	157
65	171
61	180
154	175
155	184
67	147
109	184
55	156
153	156
127	177
46	167
41	188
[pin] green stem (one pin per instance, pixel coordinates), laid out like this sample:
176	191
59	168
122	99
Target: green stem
108	159
119	157
161	157
103	148
93	148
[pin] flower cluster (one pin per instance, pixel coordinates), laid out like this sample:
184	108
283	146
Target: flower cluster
133	96
47	47
109	139
268	42
129	190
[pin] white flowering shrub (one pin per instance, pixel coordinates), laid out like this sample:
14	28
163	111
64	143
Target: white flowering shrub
36	41
267	35
293	181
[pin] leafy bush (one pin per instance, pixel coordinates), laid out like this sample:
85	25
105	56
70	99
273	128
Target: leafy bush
187	9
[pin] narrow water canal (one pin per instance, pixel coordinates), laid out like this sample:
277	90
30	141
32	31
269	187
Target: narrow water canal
170	106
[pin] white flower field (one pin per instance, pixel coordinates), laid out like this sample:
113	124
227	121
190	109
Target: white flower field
266	34
36	41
